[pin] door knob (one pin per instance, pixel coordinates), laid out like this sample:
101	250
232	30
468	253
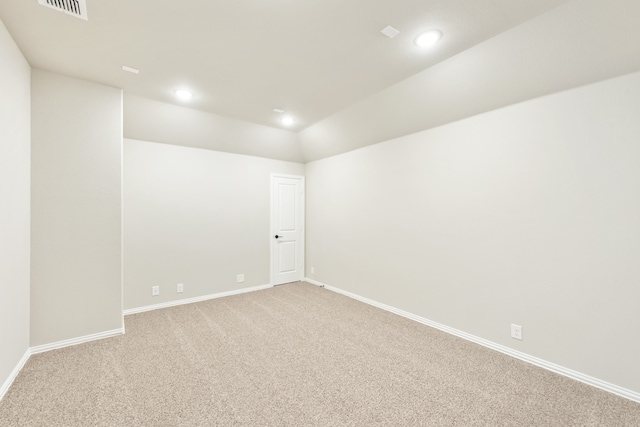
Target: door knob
277	236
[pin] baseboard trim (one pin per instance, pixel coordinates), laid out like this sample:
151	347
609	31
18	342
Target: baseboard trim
195	299
53	346
14	374
75	341
570	373
314	282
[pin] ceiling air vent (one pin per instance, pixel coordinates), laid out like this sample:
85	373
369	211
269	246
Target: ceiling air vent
77	8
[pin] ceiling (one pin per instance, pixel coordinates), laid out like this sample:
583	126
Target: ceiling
243	58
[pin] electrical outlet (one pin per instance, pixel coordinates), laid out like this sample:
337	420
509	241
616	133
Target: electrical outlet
180	288
313	270
516	332
240	278
155	291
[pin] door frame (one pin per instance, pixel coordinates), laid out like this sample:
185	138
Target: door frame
272	242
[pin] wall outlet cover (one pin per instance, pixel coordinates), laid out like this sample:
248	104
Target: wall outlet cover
180	288
155	291
240	278
516	331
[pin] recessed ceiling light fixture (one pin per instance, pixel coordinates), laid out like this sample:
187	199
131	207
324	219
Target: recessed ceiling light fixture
183	94
278	110
287	121
428	39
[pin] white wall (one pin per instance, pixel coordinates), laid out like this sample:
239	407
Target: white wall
528	214
197	217
149	120
15	131
76	285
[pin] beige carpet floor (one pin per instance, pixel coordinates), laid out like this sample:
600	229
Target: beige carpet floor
295	355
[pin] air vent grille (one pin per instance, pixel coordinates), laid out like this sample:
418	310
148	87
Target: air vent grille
77	8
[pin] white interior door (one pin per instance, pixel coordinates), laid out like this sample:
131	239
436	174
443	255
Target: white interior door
287	228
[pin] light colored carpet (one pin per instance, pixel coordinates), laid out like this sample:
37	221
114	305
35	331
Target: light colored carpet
295	355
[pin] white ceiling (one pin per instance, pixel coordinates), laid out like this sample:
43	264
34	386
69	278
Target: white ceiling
243	58
575	44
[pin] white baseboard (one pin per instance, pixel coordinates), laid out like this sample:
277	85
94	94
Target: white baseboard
115	332
75	341
195	299
53	346
570	373
314	282
5	387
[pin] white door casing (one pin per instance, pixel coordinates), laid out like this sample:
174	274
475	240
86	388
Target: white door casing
287	223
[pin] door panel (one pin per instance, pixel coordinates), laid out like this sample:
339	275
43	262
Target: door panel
287	257
287	207
287	228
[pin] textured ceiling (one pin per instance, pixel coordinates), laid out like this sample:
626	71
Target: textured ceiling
244	58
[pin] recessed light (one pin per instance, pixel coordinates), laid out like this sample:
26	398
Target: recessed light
130	70
184	94
428	39
287	121
278	110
